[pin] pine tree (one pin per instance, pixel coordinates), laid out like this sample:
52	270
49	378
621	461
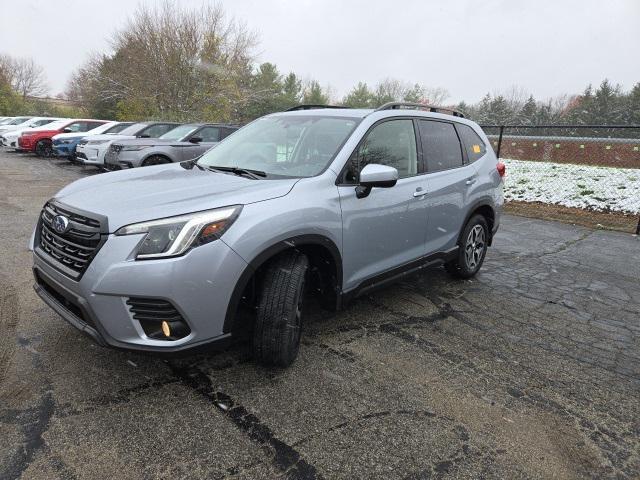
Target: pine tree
633	105
291	91
527	115
313	95
359	97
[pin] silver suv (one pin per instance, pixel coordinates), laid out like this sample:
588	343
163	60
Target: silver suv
182	143
329	202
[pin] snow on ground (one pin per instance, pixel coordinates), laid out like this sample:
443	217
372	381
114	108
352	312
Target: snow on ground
595	188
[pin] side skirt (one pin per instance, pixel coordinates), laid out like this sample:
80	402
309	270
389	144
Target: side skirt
395	274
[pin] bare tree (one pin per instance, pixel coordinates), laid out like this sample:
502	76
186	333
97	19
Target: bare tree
173	63
25	76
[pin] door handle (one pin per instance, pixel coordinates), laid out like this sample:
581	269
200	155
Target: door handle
470	181
419	192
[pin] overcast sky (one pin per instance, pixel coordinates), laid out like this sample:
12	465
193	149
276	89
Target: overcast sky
469	47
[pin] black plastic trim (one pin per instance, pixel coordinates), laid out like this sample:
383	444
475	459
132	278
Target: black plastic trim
395	274
260	259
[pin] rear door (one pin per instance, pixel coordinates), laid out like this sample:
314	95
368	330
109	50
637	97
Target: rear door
449	179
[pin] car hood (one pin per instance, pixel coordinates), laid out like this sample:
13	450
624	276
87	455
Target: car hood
151	142
107	136
141	194
62	136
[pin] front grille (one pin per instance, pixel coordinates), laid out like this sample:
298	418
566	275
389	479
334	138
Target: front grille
115	148
73	250
81	155
153	309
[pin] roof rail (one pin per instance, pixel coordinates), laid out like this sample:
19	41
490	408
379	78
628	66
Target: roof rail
311	107
419	106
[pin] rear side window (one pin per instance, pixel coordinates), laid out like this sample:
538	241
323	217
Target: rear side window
471	142
440	145
391	143
209	134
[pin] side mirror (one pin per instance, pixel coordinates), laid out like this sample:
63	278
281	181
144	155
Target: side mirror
375	175
195	139
66	130
144	136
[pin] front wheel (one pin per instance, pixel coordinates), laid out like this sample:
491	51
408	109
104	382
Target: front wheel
155	160
472	248
276	337
44	148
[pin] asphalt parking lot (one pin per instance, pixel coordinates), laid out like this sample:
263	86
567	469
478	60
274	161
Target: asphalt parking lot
531	370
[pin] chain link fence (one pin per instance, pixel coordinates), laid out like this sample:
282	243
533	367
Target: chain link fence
585	168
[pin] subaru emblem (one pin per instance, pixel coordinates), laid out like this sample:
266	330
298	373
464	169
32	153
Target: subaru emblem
60	223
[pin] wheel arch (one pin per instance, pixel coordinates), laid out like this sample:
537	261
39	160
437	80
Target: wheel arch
324	256
486	209
157	154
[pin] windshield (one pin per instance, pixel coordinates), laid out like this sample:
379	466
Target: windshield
19	120
291	146
178	133
133	129
118	128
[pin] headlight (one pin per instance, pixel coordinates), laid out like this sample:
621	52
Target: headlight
97	142
173	236
134	148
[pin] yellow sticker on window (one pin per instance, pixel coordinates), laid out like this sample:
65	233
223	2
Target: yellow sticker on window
476	149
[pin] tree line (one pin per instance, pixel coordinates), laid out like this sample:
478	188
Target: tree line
197	64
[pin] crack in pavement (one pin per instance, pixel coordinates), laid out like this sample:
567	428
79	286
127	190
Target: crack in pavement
283	456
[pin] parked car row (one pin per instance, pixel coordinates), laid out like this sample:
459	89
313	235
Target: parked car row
110	145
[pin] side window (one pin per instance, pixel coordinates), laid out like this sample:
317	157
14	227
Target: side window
92	125
209	134
226	132
472	143
391	143
76	127
39	123
154	131
440	145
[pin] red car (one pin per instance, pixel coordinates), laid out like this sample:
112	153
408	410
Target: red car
39	141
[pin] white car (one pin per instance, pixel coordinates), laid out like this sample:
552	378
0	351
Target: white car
9	138
64	144
14	122
91	150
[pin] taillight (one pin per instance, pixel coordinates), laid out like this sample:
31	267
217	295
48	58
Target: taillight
502	169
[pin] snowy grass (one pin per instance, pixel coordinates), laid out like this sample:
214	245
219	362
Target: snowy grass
594	188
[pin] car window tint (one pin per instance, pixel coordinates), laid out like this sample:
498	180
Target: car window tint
209	134
391	143
155	131
440	145
76	127
471	141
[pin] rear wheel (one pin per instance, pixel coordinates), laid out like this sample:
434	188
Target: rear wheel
44	148
155	160
276	337
472	248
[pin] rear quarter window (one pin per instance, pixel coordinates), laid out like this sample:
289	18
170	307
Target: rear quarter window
471	142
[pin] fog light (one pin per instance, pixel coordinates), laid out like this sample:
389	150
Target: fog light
166	329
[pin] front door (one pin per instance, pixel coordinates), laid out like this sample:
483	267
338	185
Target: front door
387	228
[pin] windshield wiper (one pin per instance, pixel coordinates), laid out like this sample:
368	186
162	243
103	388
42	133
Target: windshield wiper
255	174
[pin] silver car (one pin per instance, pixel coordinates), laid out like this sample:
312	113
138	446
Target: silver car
182	143
328	202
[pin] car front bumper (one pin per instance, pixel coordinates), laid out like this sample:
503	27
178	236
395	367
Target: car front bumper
199	284
91	154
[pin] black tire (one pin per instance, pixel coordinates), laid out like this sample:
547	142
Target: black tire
276	336
155	160
44	148
465	265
